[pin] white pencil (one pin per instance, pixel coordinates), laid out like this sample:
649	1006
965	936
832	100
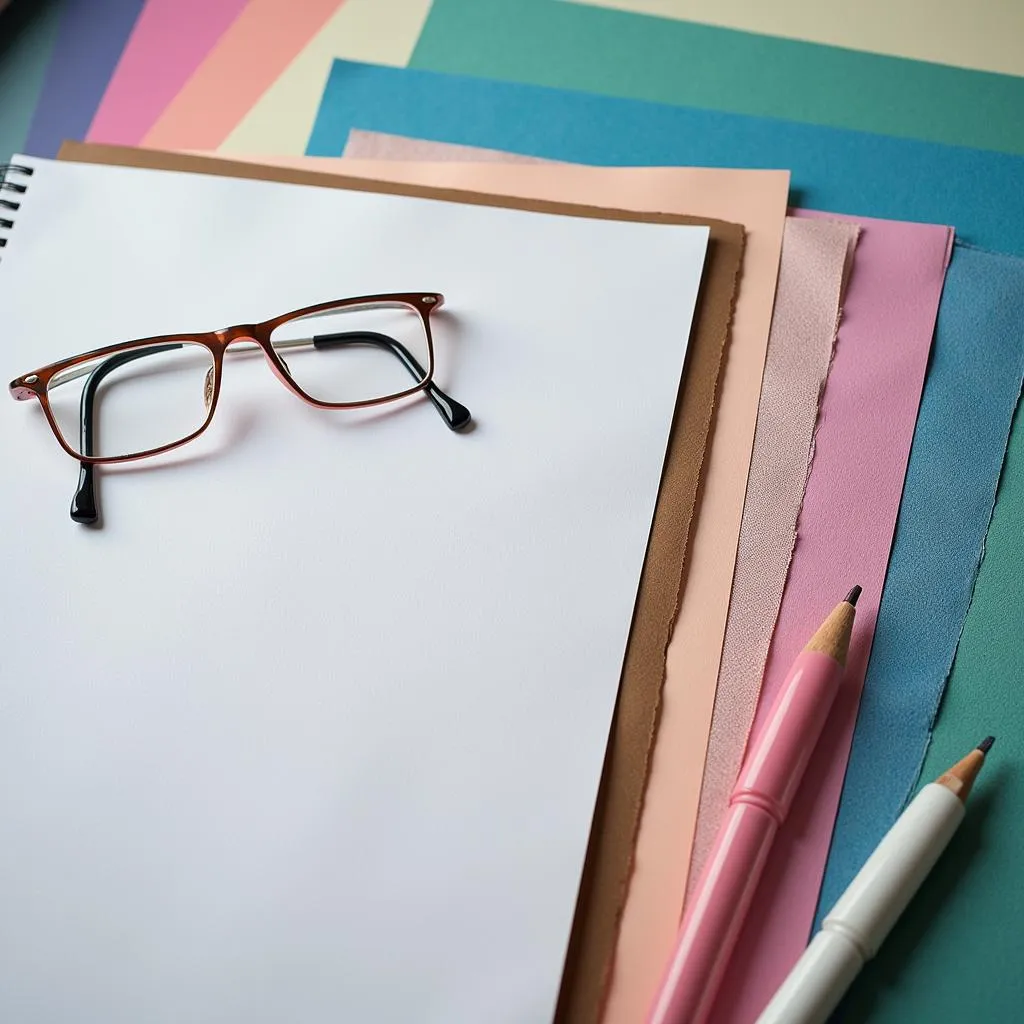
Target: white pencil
857	925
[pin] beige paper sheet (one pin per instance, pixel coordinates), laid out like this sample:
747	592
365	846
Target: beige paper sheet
987	35
663	847
367	30
816	256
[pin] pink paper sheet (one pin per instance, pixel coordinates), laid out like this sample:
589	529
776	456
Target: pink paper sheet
262	41
168	43
844	534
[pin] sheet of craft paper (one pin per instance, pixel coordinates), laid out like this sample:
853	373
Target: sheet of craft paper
984	34
968	403
815	256
693	655
29	34
850	172
247	60
282	118
929	968
167	44
571	46
89	42
844	536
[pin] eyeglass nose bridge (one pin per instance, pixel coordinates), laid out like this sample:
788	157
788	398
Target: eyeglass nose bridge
251	333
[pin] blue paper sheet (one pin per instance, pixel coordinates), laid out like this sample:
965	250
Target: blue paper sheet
967	408
89	43
961	434
979	193
976	192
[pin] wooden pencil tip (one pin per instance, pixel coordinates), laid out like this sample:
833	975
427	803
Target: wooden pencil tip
851	597
960	778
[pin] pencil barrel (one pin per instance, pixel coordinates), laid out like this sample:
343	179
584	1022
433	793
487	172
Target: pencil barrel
715	916
778	755
892	874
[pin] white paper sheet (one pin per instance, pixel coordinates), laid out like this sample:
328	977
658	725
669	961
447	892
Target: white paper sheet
312	729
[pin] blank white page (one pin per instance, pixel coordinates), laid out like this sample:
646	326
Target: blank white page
311	730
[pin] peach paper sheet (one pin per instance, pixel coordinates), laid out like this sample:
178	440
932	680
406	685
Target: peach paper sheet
247	59
695	651
169	41
372	31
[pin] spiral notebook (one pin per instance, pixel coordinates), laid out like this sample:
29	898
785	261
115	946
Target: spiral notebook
312	727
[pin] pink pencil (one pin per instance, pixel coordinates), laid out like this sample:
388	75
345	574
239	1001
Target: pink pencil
759	804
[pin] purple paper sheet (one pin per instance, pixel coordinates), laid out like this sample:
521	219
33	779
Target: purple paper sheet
90	39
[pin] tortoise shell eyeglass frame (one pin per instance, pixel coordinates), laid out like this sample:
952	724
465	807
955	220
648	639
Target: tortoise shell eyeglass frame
36	384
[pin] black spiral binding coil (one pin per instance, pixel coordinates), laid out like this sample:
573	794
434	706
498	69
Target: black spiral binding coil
7	188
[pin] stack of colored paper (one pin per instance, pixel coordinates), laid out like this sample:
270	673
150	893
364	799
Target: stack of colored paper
847	410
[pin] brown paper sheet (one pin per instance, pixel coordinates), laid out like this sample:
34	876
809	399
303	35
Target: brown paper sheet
613	833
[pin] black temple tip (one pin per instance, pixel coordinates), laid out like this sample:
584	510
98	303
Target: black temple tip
986	744
461	416
83	504
851	597
455	414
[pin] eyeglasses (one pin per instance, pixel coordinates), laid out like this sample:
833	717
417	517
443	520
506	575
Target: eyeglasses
159	393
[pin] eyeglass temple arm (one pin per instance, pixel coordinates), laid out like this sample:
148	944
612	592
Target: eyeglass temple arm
83	505
456	415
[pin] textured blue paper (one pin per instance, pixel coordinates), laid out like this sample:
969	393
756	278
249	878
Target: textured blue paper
963	426
89	43
979	193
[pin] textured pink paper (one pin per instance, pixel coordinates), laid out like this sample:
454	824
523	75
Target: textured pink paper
815	254
168	43
362	145
248	58
800	346
844	534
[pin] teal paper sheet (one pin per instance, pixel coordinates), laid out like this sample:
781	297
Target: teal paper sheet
957	953
548	42
970	394
977	192
28	30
